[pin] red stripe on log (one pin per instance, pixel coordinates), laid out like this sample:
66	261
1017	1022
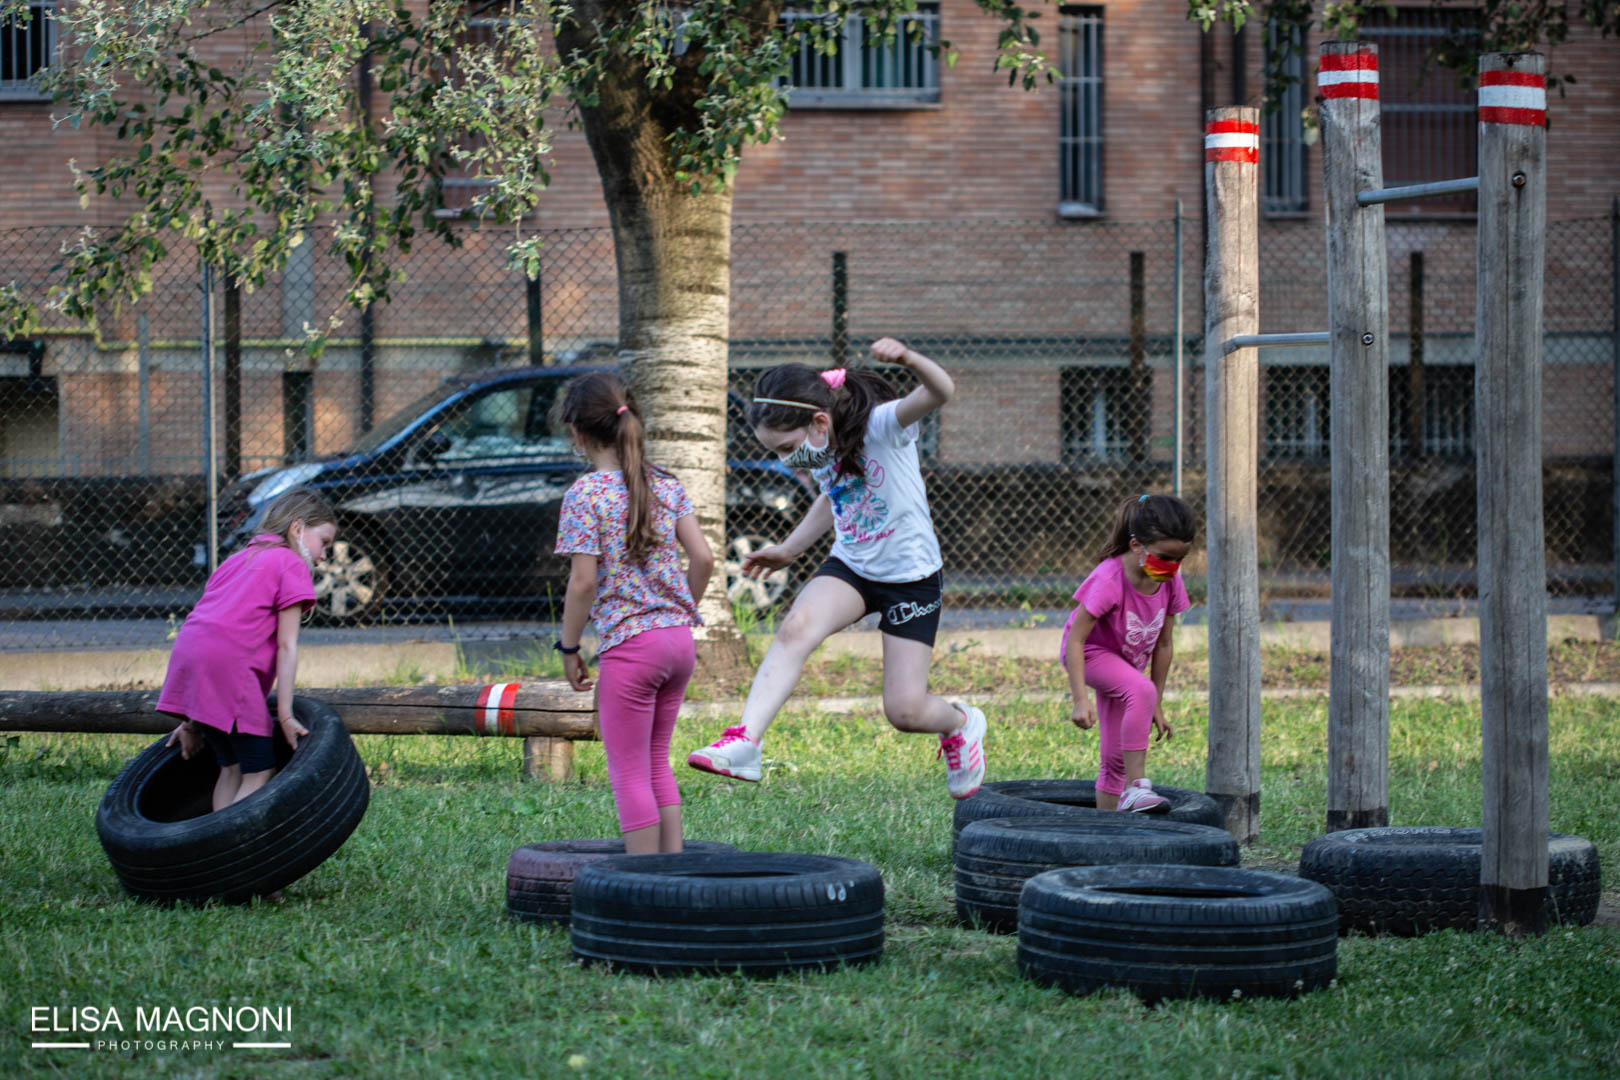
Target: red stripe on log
1512	78
1231	127
1359	61
1351	90
1233	153
1528	117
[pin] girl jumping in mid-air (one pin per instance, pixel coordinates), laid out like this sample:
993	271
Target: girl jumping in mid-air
622	523
859	441
1125	618
240	640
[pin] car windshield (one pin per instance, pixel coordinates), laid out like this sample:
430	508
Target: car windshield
397	423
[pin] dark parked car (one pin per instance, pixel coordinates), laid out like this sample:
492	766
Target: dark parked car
454	501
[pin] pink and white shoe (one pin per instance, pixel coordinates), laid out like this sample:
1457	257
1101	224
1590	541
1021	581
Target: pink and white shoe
964	754
733	754
1139	797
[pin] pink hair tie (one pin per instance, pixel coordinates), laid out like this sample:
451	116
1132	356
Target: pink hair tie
621	409
833	378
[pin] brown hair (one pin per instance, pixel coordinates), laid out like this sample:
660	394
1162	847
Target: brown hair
599	406
1149	518
299	504
849	406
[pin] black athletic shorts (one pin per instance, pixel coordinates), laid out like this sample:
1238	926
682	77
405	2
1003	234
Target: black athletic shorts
255	753
910	608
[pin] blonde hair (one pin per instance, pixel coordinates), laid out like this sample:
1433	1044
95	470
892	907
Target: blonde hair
299	504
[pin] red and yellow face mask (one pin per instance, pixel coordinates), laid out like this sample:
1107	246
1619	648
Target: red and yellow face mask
1159	569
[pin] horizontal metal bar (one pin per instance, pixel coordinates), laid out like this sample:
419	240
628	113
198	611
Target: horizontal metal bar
1418	191
1262	341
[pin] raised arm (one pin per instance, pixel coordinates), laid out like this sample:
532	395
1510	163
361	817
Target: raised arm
934	386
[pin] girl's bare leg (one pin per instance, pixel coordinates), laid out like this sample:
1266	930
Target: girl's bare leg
823	607
906	700
226	787
252	782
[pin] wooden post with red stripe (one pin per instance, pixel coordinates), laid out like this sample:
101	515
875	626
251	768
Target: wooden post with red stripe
1358	328
1231	391
1507	426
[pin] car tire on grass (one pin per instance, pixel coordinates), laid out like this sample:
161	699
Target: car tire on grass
755	912
995	858
1409	881
540	877
1078	798
165	845
1177	931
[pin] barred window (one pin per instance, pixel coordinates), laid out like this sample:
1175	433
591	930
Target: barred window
26	49
1094	408
461	185
1080	111
1296	411
865	73
1448	411
1429	131
1282	130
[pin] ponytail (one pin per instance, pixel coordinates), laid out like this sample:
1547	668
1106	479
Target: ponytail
1149	519
600	408
787	396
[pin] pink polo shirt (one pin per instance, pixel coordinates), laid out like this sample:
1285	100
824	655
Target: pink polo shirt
223	665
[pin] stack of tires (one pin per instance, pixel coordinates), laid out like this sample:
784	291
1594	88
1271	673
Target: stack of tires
1151	902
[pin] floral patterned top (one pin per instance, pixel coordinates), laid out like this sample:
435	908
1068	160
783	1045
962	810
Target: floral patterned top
630	599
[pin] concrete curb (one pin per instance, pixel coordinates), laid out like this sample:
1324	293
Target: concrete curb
874	703
358	664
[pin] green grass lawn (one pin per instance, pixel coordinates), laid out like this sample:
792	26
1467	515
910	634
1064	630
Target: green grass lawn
396	957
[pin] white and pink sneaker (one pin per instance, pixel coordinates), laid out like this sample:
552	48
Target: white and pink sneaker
733	754
963	752
1139	797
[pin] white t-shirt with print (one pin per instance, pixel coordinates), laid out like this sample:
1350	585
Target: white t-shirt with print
881	522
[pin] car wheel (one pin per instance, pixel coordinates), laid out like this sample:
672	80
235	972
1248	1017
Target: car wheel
753	594
351	583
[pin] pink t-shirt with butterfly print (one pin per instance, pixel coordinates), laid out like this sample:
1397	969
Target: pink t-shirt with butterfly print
1128	621
630	599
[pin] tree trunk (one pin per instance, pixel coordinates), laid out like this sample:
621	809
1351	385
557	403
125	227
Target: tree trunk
673	251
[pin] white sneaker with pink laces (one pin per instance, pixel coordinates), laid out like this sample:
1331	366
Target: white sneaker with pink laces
1139	797
963	752
733	754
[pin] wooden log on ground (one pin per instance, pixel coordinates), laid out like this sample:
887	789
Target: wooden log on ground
550	710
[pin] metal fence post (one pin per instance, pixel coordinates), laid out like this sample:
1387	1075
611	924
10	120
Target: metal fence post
143	378
840	308
1512	552
1414	360
210	450
1231	395
1614	345
1358	440
537	337
1141	404
233	377
368	368
1175	469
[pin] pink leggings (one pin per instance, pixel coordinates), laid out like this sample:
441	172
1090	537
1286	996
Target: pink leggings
639	690
1125	703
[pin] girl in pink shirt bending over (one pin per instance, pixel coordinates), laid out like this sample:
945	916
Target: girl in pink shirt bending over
240	640
1126	618
622	524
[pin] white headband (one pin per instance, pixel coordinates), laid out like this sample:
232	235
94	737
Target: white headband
790	404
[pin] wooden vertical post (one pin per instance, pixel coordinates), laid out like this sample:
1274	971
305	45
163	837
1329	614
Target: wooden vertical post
1512	559
1358	322
1231	394
546	758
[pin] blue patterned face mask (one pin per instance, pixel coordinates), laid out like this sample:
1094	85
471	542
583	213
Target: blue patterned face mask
805	456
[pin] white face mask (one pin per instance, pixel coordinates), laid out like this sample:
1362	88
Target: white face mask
806	456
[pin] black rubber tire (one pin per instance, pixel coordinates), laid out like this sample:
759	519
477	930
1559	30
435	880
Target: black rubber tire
756	912
540	877
1412	880
165	845
1047	798
1177	931
994	858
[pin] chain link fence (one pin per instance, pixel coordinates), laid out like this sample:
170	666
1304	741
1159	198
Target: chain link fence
427	420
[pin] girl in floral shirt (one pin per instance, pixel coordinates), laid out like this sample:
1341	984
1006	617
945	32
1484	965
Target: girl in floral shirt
622	523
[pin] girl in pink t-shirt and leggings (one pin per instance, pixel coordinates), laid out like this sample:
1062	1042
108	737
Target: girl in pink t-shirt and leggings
622	523
240	640
1125	619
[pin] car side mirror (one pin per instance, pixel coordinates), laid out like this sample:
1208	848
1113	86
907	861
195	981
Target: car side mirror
435	444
